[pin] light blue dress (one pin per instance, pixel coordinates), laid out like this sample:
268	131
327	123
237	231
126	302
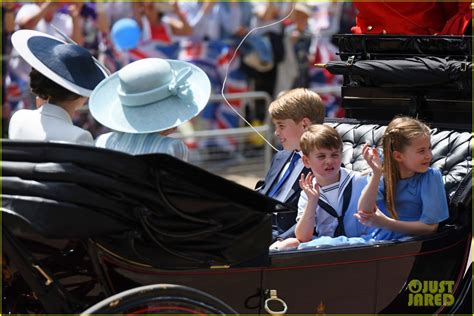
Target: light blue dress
139	144
419	198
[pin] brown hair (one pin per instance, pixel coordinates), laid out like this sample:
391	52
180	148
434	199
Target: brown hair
399	134
297	104
47	89
318	137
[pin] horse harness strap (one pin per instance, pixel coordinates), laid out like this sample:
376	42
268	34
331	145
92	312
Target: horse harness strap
340	231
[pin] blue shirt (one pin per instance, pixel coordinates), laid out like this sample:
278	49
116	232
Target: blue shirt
419	198
139	144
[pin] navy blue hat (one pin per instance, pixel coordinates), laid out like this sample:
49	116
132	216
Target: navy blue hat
69	65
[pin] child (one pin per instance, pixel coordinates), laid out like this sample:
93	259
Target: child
292	113
330	192
411	199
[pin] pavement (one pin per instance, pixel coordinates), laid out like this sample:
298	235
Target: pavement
247	180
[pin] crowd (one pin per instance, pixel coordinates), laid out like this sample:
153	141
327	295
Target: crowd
271	59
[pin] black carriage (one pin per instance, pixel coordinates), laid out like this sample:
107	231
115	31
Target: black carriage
81	224
87	229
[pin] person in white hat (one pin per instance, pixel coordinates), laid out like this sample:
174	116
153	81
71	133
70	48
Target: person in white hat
63	75
146	99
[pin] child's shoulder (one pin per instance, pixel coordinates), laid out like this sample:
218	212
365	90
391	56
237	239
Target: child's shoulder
356	176
353	173
433	174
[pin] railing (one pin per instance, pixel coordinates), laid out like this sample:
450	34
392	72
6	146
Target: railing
246	158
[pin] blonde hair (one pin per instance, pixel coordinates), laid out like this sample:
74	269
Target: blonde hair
297	104
318	137
399	134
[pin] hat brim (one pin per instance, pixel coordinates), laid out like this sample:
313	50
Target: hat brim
106	107
20	41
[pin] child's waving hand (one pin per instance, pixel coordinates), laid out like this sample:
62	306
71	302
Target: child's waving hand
311	189
372	157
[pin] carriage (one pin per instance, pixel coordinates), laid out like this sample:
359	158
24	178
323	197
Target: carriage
88	230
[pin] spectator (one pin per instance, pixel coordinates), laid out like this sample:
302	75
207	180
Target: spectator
40	17
265	80
297	38
8	26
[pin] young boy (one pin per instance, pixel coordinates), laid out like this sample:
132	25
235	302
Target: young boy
292	113
330	192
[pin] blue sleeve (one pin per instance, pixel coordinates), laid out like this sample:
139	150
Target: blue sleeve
352	226
433	196
380	200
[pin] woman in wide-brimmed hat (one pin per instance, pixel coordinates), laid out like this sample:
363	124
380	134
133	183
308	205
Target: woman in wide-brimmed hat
63	75
146	100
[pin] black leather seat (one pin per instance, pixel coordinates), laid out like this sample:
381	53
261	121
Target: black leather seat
452	154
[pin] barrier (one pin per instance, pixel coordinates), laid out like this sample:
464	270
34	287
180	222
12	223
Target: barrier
246	158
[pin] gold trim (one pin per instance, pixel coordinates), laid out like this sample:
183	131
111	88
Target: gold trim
220	267
113	254
49	280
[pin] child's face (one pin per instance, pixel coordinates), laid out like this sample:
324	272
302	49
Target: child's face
325	164
289	132
415	158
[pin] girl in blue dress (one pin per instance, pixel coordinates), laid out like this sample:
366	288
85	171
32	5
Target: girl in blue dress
404	196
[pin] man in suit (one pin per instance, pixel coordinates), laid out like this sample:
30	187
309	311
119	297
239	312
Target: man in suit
292	113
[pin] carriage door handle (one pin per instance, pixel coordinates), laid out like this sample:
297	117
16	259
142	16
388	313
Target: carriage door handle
274	298
49	280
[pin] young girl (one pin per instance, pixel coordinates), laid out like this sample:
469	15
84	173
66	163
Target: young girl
410	199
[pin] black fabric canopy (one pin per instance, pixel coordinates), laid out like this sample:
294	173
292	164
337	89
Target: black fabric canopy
409	72
154	209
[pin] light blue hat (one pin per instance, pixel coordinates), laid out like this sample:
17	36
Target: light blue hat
150	95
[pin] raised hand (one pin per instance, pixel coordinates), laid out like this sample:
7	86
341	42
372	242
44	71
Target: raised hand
74	10
372	157
309	187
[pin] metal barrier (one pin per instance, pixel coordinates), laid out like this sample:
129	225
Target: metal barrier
247	158
240	161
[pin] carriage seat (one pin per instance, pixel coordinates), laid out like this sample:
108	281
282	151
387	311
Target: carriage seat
452	154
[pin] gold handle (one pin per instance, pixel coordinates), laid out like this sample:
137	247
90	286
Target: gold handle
49	280
274	297
320	65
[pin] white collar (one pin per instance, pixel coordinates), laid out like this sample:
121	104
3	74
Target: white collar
55	111
345	176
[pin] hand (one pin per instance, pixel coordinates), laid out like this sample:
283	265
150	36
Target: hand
287	244
371	219
371	155
306	184
50	7
75	9
207	7
175	7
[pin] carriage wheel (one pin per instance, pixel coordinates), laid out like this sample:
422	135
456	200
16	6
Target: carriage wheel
161	299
